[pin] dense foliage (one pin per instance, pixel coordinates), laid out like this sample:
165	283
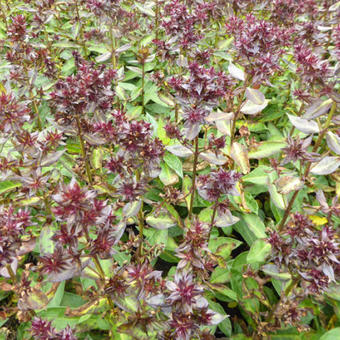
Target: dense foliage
169	169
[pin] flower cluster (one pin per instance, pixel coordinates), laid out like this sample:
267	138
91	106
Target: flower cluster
313	254
12	227
43	330
195	244
198	94
137	147
311	67
78	210
189	308
180	23
297	150
259	43
84	92
13	114
219	182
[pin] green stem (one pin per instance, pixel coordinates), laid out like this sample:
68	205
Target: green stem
11	273
81	30
140	217
143	76
157	19
213	215
113	48
83	150
238	109
194	170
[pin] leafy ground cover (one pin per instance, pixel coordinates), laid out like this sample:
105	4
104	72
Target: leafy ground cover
169	169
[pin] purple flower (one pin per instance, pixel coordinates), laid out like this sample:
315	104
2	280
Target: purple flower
184	291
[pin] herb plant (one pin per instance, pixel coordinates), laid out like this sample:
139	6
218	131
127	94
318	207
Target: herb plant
169	169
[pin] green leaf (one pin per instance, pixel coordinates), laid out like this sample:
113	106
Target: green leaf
333	142
186	187
97	158
220	275
146	8
167	176
161	133
258	252
333	334
8	185
156	237
225	325
250	227
275	196
58	296
46	245
266	149
273	271
174	163
239	154
161	221
223	246
258	176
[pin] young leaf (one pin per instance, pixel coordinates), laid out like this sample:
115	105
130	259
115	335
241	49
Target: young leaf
326	166
239	154
304	125
250	108
179	150
161	221
286	184
317	108
236	72
255	96
333	142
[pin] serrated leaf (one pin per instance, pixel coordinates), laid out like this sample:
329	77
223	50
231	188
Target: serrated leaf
318	220
225	220
236	72
97	158
145	8
326	166
250	226
52	158
219	115
186	187
156	236
304	125
333	334
275	196
258	176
